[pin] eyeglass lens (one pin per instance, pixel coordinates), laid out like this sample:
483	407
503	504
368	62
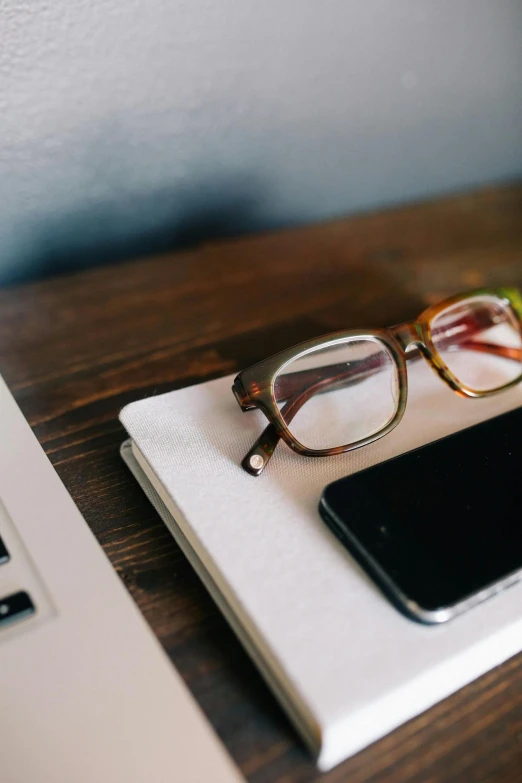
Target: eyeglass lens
339	394
479	341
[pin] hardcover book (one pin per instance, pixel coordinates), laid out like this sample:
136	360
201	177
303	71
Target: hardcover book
344	663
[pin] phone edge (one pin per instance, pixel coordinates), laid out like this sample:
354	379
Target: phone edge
407	606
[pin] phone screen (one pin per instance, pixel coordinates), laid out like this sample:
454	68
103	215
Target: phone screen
443	522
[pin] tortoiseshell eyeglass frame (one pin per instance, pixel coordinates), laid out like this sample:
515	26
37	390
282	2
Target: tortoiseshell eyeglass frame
254	387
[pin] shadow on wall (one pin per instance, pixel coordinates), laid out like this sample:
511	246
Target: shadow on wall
139	225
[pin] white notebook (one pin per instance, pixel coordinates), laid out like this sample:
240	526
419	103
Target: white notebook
344	663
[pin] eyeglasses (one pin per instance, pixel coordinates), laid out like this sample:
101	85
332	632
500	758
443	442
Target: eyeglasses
344	390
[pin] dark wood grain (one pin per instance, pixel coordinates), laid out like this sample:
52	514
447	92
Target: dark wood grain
75	349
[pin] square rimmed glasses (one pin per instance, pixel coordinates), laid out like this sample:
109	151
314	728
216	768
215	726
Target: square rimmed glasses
344	390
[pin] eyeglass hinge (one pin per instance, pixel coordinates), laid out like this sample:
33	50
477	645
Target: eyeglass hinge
241	395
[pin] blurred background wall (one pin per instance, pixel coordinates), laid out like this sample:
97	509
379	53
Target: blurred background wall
128	126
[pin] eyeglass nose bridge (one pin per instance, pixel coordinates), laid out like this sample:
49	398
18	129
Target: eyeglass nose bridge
412	340
410	335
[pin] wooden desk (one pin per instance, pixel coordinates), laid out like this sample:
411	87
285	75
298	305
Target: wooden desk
75	349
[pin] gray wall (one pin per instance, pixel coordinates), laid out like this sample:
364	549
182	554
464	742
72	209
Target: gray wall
133	125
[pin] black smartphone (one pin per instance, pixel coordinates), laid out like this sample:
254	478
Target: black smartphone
439	529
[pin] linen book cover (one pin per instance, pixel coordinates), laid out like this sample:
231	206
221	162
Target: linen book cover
345	664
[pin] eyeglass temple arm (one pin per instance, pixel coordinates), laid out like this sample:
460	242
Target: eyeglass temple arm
259	455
